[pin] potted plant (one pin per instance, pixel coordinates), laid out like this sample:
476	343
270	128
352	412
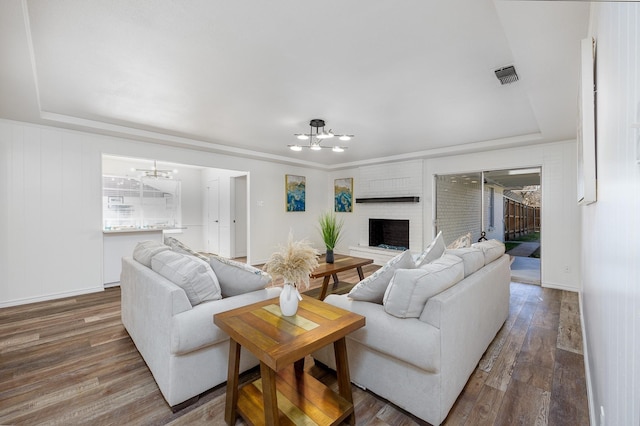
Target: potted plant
330	229
293	262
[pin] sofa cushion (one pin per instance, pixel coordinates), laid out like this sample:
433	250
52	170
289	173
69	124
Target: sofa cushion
390	335
492	250
193	275
194	329
434	250
179	247
461	241
238	278
372	288
472	258
410	289
145	250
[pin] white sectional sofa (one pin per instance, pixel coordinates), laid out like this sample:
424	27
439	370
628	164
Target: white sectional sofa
185	351
427	331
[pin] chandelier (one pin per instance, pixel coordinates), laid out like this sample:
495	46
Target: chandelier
317	136
156	173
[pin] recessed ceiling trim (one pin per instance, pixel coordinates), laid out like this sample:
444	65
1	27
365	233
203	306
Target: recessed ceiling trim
32	54
114	129
467	148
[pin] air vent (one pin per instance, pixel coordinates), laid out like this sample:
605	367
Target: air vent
507	75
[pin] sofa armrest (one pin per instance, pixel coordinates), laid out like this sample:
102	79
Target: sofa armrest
469	315
149	301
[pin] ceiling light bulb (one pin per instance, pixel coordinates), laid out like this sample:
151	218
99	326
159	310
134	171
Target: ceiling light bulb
295	148
345	138
175	170
337	149
302	137
325	135
315	147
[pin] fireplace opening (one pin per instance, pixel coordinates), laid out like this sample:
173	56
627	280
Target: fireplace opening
389	233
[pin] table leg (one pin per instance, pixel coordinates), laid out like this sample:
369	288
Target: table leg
325	286
335	279
342	373
232	382
360	273
269	397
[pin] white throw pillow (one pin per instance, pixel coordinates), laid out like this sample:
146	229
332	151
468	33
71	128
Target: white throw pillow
461	241
472	258
145	250
492	249
410	289
434	250
180	247
372	288
193	275
238	278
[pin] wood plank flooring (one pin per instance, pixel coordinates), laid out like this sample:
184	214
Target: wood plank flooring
71	362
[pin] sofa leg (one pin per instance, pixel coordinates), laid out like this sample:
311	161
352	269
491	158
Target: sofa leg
185	404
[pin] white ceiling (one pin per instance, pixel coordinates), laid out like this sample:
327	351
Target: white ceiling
409	79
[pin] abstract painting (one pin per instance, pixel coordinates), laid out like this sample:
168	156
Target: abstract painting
343	195
295	191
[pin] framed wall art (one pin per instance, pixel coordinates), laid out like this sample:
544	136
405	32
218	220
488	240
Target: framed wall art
586	131
343	195
295	193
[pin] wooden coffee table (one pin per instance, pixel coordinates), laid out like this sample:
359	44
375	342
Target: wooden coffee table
285	393
341	264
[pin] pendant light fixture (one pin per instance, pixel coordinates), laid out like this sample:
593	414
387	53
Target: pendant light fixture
316	136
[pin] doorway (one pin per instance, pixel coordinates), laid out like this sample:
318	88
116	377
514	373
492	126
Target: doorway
497	204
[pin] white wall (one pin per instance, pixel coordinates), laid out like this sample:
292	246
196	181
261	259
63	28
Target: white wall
51	210
51	229
611	233
560	235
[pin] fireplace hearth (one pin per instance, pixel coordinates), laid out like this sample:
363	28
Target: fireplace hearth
389	233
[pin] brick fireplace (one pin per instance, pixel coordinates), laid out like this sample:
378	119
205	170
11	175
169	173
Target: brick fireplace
389	233
395	195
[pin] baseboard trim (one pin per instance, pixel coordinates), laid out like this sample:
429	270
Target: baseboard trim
52	296
546	284
587	368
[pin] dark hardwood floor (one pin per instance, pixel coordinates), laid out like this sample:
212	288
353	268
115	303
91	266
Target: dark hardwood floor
71	362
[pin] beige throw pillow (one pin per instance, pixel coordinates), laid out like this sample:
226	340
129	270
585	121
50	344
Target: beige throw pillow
372	288
193	275
461	242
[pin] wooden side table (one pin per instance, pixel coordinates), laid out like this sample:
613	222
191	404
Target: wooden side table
285	393
341	264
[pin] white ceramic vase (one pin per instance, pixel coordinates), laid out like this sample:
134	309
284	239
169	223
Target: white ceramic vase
289	300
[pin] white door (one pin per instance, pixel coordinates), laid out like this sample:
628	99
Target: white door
240	217
213	216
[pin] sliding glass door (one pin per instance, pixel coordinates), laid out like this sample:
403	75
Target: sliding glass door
482	203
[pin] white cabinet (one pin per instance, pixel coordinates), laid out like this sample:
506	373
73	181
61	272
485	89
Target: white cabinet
116	245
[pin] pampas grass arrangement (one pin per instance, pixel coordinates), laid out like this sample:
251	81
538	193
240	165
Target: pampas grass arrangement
293	262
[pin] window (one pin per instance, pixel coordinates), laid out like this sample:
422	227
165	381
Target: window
140	202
